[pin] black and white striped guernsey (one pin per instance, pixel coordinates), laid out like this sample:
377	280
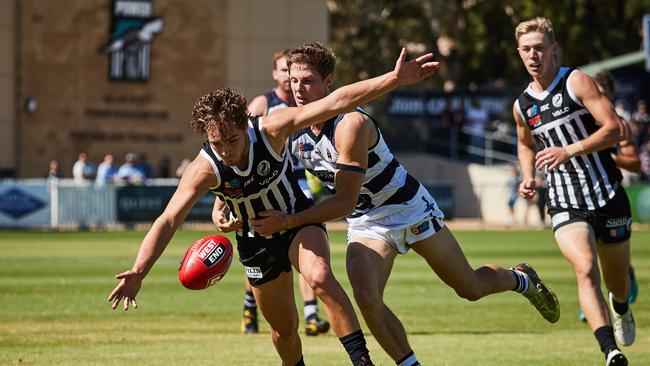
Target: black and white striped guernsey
267	184
386	182
555	117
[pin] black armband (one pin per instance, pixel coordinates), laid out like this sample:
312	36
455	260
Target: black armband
350	168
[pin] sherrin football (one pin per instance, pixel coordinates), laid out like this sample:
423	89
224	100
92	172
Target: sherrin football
205	262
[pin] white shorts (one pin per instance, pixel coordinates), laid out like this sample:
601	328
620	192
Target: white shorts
417	220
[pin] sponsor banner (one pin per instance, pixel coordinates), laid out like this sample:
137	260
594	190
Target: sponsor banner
24	204
146	203
444	196
435	104
640	202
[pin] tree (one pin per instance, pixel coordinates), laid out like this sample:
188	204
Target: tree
475	38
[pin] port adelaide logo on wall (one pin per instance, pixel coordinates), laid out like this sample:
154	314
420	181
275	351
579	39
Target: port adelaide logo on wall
133	28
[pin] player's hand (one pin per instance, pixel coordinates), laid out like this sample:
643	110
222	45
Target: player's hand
126	290
270	222
527	188
551	158
416	70
225	223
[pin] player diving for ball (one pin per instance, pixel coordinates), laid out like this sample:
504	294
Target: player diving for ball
244	162
388	211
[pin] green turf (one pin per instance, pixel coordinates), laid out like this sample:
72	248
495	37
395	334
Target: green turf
53	308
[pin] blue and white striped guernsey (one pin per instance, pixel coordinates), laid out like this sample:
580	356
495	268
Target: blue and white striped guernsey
555	117
267	184
386	183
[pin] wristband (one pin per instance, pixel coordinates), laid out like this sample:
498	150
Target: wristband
292	221
575	148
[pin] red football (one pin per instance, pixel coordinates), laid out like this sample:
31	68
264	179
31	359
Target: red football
205	262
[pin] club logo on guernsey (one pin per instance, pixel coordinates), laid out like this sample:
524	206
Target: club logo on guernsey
263	168
557	100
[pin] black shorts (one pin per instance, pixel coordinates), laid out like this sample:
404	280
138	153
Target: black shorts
265	259
611	223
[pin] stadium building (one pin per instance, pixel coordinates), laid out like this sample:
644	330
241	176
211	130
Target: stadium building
119	76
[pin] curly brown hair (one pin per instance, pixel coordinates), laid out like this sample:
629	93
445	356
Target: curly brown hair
314	55
219	111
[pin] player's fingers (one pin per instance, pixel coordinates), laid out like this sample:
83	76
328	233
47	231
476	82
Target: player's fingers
402	56
135	304
424	58
113	293
116	302
123	275
126	303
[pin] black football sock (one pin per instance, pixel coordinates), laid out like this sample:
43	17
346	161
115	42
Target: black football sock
355	345
605	337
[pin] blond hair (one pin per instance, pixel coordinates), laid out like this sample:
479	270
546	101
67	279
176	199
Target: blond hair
539	24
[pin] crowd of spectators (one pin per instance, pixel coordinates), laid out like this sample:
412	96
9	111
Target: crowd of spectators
134	170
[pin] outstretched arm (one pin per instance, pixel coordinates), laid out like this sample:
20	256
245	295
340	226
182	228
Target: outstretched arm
193	184
285	122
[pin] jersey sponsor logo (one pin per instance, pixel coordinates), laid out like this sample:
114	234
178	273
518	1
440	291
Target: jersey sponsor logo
232	184
253	272
560	112
305	146
535	121
421	227
263	168
544	107
532	111
231	188
560	218
619	221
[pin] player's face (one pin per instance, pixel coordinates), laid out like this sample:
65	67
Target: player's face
232	146
307	84
537	53
281	74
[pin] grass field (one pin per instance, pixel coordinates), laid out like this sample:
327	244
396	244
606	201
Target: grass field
53	308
